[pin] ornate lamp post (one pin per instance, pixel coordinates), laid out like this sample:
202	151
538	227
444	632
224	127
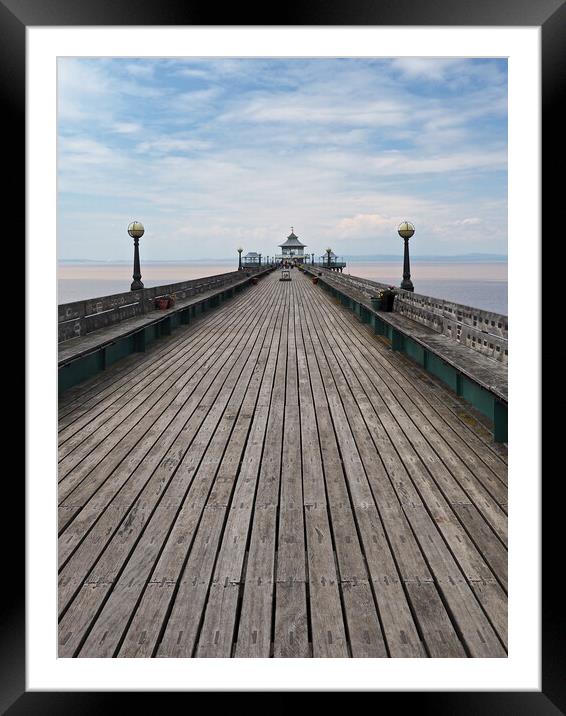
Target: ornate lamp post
240	249
328	251
136	231
406	230
312	259
260	260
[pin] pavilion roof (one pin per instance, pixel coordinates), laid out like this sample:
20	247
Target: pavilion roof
292	241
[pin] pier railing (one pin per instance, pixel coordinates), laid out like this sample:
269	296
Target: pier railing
438	336
482	331
95	333
81	317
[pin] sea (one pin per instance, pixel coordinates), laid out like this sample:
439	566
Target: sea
481	284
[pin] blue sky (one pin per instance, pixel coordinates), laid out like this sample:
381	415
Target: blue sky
214	153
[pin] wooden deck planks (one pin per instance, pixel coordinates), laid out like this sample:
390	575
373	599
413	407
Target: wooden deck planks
173	474
195	558
430	476
100	440
147	441
254	636
219	604
179	512
437	545
273	480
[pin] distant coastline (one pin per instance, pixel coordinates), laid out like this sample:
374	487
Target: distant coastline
382	258
478	280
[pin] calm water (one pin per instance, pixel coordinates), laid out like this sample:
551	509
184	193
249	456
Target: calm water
76	282
483	285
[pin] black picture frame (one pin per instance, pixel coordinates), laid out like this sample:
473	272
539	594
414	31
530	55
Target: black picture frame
15	17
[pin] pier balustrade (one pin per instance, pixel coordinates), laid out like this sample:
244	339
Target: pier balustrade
97	332
465	347
482	331
81	317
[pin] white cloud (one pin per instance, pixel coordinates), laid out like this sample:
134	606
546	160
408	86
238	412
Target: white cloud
230	152
304	108
468	222
140	69
167	145
425	67
362	224
126	127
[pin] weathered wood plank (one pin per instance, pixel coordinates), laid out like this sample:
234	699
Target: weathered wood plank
180	549
291	638
77	449
426	391
80	399
292	488
322	475
256	614
172	478
229	567
179	511
138	448
126	486
475	626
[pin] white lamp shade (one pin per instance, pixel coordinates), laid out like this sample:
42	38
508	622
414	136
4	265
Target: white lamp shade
406	230
136	230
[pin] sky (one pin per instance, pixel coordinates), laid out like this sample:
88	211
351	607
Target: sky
212	154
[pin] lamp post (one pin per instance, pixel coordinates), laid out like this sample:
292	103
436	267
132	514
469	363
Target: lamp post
406	230
328	251
312	259
136	231
240	249
260	260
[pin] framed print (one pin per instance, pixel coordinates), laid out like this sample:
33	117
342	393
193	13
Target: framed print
117	59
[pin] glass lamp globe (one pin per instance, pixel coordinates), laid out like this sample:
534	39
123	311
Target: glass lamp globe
136	230
406	230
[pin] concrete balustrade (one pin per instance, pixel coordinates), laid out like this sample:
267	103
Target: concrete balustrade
444	338
98	332
82	317
482	331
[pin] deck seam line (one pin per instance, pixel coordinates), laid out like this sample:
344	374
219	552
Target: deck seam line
162	348
425	504
178	386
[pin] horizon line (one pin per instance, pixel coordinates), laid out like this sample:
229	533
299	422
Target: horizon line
415	257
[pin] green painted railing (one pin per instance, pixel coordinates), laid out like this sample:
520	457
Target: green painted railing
481	398
76	367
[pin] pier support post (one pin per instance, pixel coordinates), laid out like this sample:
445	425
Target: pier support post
397	341
499	422
165	326
139	341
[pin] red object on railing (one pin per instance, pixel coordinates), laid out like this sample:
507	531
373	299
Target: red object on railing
162	303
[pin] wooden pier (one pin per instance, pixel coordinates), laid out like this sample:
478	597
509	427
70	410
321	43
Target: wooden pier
272	480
